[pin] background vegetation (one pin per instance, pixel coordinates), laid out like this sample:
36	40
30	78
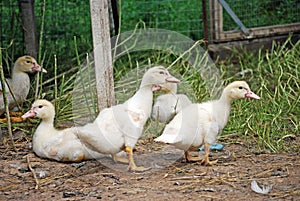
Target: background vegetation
68	18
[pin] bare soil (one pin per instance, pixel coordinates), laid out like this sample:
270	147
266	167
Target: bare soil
229	179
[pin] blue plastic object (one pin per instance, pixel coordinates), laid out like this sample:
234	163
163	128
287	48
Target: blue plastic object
216	146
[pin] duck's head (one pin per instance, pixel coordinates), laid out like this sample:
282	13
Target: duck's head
28	64
156	77
42	109
237	90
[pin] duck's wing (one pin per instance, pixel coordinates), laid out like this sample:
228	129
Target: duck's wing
164	107
103	135
171	133
183	101
64	146
6	87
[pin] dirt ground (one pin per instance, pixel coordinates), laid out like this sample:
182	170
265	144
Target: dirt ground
229	179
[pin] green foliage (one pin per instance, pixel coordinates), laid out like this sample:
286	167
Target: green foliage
273	120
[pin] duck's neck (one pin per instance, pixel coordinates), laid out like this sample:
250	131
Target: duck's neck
224	99
222	107
170	91
47	123
20	84
142	99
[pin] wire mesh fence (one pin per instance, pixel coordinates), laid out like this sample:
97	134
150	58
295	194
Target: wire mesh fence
256	13
64	20
181	16
68	18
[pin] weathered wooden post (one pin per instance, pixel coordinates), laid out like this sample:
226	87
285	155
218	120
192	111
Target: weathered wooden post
29	27
102	53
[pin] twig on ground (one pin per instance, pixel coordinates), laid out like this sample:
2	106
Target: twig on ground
188	177
33	172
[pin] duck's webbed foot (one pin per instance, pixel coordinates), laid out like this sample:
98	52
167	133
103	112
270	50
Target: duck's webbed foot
132	167
190	158
206	160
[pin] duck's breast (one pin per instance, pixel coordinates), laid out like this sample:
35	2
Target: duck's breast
184	130
20	86
42	134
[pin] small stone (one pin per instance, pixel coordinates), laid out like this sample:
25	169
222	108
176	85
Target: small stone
68	194
176	183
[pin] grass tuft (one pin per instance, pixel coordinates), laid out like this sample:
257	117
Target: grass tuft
273	121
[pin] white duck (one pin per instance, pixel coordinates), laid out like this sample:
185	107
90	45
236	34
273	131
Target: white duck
118	128
48	142
19	82
169	104
199	124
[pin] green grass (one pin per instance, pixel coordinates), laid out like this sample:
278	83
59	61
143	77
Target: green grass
270	121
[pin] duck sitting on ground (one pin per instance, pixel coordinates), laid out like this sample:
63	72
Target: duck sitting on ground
199	124
169	104
118	128
19	84
48	142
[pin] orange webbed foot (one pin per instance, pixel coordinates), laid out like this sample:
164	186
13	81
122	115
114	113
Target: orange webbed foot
190	158
132	167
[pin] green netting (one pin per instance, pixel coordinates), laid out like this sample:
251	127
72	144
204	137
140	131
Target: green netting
65	19
257	13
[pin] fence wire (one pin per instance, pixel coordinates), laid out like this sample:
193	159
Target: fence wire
65	19
257	13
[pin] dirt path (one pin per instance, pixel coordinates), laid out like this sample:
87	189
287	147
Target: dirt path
228	180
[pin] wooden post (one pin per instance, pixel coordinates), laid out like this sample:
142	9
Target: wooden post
102	53
216	20
29	27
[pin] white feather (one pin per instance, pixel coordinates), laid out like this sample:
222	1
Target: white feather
264	190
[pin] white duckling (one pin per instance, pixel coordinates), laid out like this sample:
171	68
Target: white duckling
199	124
48	142
118	128
19	82
169	104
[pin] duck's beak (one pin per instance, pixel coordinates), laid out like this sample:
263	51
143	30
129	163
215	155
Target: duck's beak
37	67
30	113
250	94
172	79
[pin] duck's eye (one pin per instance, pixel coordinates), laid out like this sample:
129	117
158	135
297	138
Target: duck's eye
240	87
162	72
40	106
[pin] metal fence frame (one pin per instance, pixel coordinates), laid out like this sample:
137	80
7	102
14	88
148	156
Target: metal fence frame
218	35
